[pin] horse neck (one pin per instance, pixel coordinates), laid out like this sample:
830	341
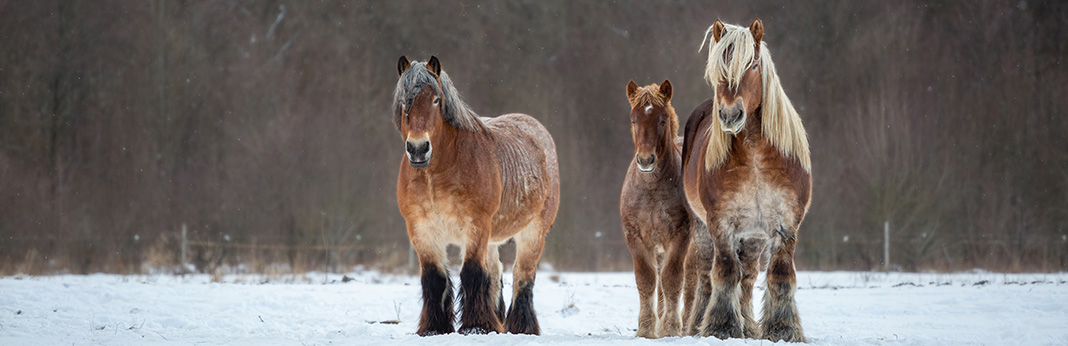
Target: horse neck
754	130
667	149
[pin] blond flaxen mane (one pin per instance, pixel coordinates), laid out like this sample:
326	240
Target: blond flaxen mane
728	60
649	95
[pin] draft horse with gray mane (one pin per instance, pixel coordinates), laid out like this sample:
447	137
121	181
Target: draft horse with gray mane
747	175
475	183
652	206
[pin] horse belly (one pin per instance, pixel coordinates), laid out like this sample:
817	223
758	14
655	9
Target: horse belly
528	173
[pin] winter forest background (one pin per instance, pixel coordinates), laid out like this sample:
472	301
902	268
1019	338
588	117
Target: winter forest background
264	126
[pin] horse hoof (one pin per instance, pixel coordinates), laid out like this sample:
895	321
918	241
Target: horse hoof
725	331
648	334
473	330
469	330
783	333
425	333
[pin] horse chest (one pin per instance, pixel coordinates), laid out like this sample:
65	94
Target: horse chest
656	214
754	199
438	212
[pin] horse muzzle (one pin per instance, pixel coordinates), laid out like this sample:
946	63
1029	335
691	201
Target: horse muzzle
418	152
732	118
646	163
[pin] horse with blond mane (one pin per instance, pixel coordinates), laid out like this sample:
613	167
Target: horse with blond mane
475	183
747	175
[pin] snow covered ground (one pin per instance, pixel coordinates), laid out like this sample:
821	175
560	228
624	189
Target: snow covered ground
837	308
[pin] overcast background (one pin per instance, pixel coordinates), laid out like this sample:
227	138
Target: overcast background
264	126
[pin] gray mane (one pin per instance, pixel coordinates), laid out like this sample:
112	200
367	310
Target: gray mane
454	110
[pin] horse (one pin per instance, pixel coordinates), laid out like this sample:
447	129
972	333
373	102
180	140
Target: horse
697	280
475	183
747	175
652	206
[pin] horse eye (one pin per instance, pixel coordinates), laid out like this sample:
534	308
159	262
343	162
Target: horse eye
755	67
436	100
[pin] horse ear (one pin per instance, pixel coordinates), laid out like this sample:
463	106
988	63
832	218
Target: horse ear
434	66
757	29
718	30
631	89
402	65
665	90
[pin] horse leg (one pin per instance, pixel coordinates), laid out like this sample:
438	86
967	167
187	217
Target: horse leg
477	296
780	320
749	252
661	299
689	285
495	267
698	276
671	286
437	315
723	317
645	278
521	316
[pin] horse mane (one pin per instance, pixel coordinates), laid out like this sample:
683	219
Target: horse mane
650	95
781	125
454	110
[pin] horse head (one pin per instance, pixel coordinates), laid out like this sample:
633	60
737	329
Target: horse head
653	123
418	108
739	86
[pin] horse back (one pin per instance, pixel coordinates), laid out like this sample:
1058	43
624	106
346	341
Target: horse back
530	175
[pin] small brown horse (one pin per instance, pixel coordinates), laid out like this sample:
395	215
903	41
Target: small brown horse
747	176
475	183
656	220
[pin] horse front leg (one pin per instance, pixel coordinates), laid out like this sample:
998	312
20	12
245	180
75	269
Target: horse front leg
437	315
723	317
645	279
671	281
780	320
749	251
477	296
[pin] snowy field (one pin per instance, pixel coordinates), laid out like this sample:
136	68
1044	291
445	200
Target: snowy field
837	308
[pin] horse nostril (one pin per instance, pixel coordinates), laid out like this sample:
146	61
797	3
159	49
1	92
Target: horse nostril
730	115
417	149
646	160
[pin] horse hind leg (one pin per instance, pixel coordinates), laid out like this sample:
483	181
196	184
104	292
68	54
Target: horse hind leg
495	268
701	254
780	320
521	318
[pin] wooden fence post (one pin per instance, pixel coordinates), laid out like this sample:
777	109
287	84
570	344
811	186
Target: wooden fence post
184	251
886	245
